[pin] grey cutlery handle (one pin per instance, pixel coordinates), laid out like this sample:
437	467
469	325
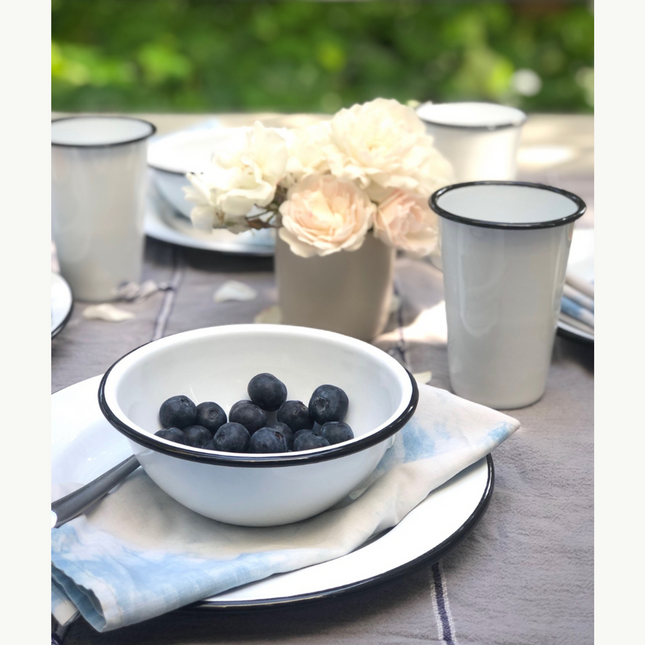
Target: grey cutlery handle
72	505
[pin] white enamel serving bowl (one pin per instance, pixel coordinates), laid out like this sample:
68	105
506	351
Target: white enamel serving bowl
216	364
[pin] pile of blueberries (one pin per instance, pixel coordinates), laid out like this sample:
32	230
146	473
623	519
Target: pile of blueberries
247	429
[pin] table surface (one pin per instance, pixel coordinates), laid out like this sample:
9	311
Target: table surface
525	574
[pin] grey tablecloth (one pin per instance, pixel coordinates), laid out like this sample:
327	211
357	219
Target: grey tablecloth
524	576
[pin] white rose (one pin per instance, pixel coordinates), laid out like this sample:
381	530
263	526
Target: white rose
383	144
307	152
204	215
405	221
323	215
240	177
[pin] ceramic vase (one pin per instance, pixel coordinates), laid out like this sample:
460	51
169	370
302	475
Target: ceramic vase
349	292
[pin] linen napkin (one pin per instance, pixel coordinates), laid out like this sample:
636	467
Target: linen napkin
578	298
577	305
571	308
139	554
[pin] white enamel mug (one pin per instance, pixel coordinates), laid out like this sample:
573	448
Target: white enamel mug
99	166
505	247
480	140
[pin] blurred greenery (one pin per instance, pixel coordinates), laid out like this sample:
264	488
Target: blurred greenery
216	56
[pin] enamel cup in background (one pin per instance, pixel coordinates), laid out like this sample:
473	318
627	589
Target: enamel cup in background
505	247
480	140
98	197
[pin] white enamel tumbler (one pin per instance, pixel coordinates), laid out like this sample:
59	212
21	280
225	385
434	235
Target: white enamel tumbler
505	247
99	166
480	140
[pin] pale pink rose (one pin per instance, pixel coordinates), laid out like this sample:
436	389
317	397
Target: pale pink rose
405	221
323	215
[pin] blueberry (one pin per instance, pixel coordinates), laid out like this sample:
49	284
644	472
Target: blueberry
211	416
267	392
177	412
328	403
268	440
197	436
307	440
314	430
209	445
299	432
172	434
232	437
295	414
336	432
235	406
249	415
286	431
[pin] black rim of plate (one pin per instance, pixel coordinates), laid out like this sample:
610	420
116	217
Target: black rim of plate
428	558
172	234
171	172
104	145
249	460
581	207
567	331
64	322
57	330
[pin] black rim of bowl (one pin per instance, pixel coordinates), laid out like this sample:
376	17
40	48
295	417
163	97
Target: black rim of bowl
256	460
581	207
483	128
104	145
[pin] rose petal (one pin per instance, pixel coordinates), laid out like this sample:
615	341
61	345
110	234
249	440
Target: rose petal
271	316
106	312
233	290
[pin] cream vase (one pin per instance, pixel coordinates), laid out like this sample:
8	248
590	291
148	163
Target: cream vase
349	292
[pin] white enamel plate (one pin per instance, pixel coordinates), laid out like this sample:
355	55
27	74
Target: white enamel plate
163	223
170	158
84	445
581	264
62	303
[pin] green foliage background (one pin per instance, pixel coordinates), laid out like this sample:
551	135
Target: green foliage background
298	56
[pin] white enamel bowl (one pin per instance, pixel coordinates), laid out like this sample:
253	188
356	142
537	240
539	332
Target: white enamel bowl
216	364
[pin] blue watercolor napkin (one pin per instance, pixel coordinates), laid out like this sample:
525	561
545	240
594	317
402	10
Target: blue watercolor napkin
572	308
139	554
